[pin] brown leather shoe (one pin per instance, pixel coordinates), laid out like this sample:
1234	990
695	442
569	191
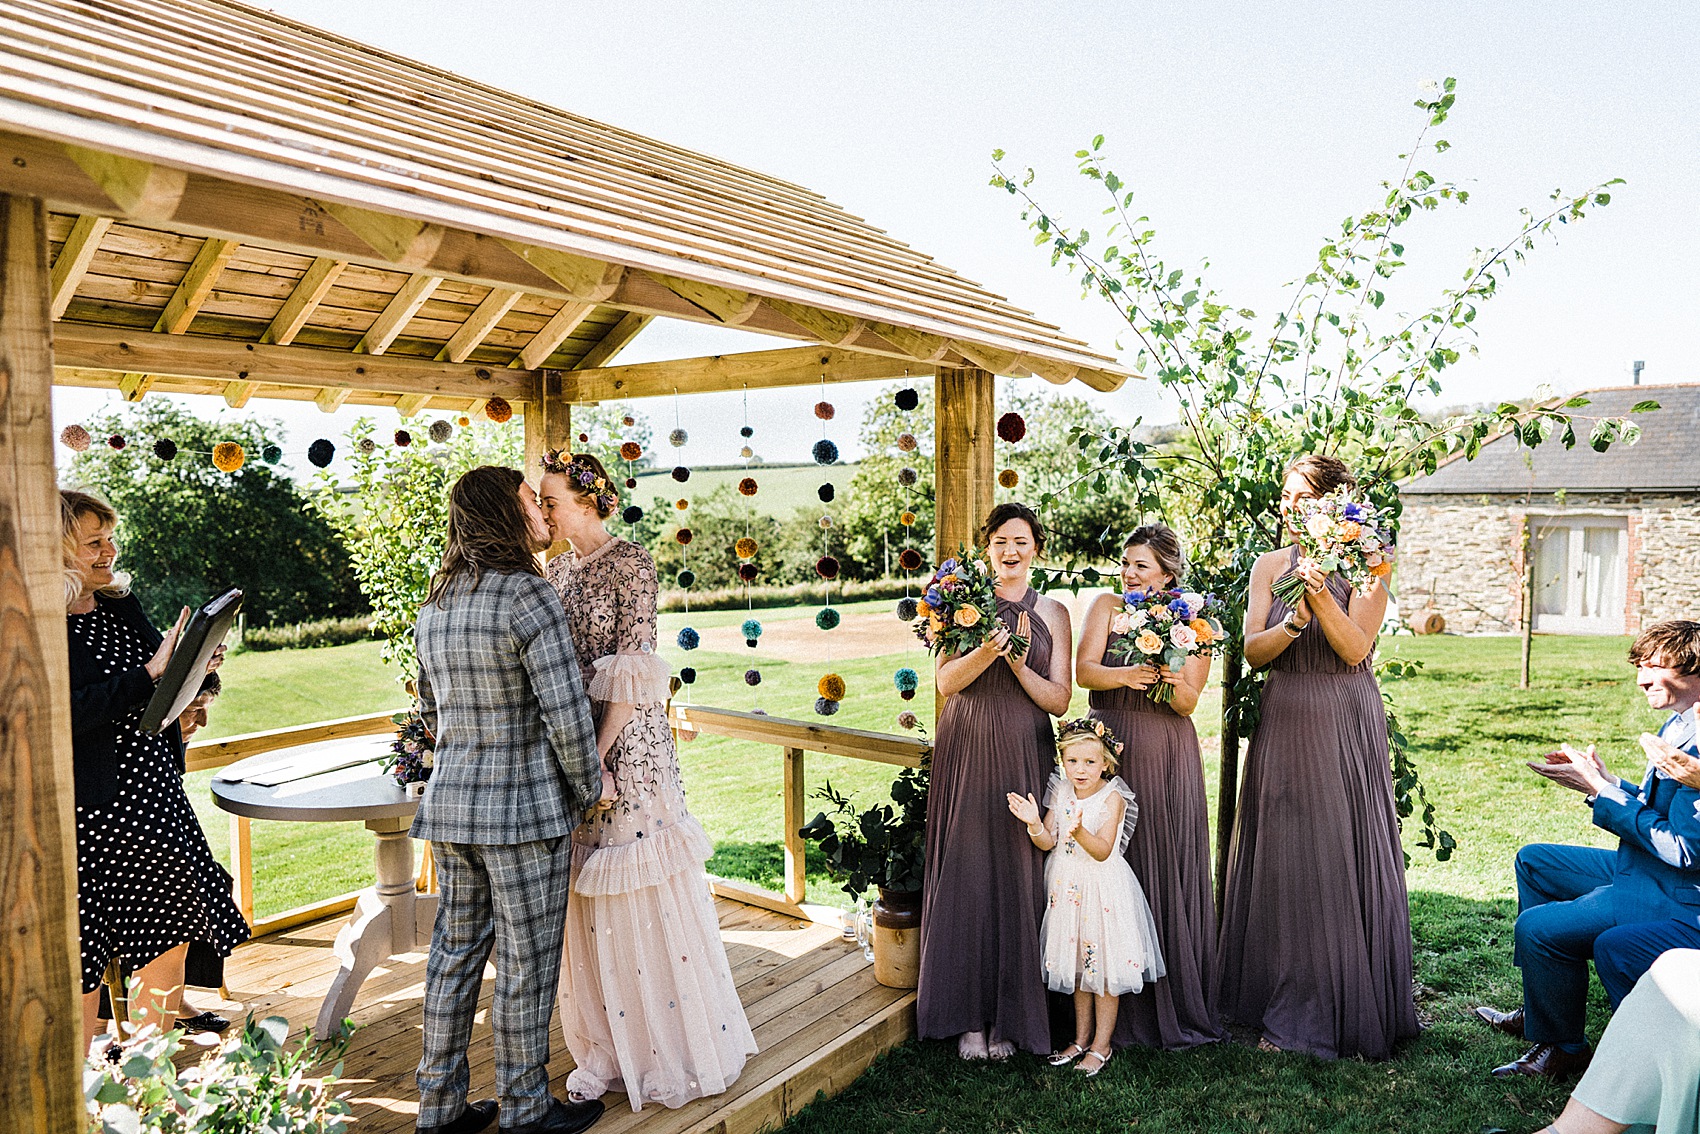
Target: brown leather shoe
1547	1061
1511	1023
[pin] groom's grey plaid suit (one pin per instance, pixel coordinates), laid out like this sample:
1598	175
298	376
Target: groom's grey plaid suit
515	768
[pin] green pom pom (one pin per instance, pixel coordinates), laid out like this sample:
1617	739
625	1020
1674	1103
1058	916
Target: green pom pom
826	618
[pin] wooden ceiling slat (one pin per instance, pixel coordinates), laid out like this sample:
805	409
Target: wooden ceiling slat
480	323
309	292
617	338
552	334
72	263
397	313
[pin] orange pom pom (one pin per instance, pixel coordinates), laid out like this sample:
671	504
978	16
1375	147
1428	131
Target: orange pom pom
1009	478
498	410
831	687
631	451
745	547
228	456
747	486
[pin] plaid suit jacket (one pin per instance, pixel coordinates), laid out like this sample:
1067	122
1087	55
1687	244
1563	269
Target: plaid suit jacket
499	687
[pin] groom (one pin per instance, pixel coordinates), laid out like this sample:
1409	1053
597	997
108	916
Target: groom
1569	898
515	767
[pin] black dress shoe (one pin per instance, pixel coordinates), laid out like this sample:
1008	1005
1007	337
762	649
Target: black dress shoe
474	1118
1547	1061
204	1022
1511	1023
563	1118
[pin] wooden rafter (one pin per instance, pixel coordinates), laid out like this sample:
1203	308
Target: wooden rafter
196	286
141	190
74	258
402	241
479	324
763	369
409	404
552	334
398	312
315	283
331	400
616	340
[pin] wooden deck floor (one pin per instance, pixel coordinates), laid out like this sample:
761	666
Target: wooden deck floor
818	1014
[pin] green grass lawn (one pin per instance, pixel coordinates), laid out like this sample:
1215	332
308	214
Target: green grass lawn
1472	730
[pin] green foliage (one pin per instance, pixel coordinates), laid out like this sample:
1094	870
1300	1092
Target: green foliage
251	1081
392	515
1336	373
187	530
880	846
308	635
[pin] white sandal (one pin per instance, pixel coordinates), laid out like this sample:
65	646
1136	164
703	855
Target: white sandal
1091	1072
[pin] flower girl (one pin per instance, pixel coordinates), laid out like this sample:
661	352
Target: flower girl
1098	936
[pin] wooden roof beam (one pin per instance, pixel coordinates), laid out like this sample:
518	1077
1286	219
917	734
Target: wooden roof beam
404	242
196	286
72	263
77	345
310	291
402	307
764	369
729	306
409	404
480	323
552	334
141	190
616	339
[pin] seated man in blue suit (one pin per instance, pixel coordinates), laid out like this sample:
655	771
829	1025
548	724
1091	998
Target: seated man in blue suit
1568	898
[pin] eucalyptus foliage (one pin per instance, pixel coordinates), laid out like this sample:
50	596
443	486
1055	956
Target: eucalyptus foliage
1337	372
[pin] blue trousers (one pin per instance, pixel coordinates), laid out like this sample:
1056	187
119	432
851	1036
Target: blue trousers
1624	954
1564	902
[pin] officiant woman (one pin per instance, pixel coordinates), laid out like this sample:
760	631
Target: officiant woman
147	883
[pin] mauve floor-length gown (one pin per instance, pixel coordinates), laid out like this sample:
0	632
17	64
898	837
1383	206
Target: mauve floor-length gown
984	895
1170	855
1316	927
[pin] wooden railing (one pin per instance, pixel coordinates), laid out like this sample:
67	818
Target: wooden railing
795	738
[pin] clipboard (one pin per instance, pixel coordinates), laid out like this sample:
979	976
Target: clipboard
188	665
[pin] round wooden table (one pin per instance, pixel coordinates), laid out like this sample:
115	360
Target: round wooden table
340	781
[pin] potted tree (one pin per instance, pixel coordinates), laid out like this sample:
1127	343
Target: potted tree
883	847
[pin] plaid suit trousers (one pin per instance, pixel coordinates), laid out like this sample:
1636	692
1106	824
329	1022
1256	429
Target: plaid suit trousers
512	897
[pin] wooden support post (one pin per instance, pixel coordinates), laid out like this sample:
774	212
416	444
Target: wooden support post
962	459
548	425
796	876
40	1013
1528	600
242	865
1228	778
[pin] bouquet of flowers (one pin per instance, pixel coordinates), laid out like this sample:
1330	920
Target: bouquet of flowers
1340	534
959	610
411	752
1165	628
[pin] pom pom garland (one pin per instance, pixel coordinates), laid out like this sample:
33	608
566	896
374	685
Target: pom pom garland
746	452
166	449
1011	427
906	399
681	504
403	438
909	559
688	676
366	445
751	630
689	639
677	438
907	609
584	438
827	567
825	707
498	410
1009	478
824	411
228	456
75	438
630	451
825	523
631	482
745	548
687	577
116	441
907	476
827	618
321	452
271	454
752	677
747	486
464	421
746	432
906	680
826	492
681	473
628	421
825	452
906	442
907	719
831	687
747	572
907	519
441	431
684	536
632	514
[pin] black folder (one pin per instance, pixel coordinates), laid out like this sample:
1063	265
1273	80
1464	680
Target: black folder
188	665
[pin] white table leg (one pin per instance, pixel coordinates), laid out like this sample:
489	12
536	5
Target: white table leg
385	922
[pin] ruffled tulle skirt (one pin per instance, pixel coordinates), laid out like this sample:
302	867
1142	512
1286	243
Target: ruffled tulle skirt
647	998
1098	935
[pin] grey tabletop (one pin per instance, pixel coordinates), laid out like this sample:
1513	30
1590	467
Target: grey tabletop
356	792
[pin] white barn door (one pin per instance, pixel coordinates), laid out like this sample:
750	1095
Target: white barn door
1581	574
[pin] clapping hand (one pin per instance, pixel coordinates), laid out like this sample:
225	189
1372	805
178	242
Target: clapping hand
1024	630
998	639
1581	771
162	656
1671	760
1024	808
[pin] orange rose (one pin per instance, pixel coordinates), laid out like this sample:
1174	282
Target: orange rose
1350	530
936	624
967	616
1202	628
1381	570
1148	642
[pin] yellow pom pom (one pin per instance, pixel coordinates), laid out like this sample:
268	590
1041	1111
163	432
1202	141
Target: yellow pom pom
745	547
228	456
831	687
1009	478
907	519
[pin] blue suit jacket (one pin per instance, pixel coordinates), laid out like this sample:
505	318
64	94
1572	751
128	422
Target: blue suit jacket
1658	859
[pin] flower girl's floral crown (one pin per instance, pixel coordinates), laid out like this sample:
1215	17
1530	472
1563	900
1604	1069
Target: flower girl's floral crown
1089	726
576	469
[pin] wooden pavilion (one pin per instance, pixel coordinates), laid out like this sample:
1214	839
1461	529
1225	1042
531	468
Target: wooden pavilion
201	197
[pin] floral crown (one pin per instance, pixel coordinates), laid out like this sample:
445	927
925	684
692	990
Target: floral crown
576	469
1090	726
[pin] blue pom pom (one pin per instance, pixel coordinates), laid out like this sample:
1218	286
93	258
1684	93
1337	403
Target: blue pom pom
751	628
688	675
906	680
752	677
824	707
746	432
826	618
826	452
687	578
689	639
271	454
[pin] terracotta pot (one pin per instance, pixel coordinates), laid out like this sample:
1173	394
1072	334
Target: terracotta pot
897	938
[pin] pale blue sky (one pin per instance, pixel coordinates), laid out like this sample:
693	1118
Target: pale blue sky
1247	130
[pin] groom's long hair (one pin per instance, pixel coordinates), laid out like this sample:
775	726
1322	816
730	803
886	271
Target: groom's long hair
488	531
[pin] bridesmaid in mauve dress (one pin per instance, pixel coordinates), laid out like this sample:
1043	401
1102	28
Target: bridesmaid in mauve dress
1316	928
1170	847
981	971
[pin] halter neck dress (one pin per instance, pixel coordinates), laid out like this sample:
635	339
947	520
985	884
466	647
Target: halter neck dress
1316	927
984	895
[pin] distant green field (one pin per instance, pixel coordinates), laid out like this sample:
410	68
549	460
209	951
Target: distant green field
783	489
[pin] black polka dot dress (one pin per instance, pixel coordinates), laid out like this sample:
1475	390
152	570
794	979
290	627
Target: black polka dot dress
146	879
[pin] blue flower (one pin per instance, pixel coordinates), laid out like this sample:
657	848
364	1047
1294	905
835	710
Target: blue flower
1353	511
1134	597
1180	608
935	598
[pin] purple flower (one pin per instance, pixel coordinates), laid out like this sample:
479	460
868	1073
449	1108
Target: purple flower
935	599
1180	608
1353	511
1134	597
